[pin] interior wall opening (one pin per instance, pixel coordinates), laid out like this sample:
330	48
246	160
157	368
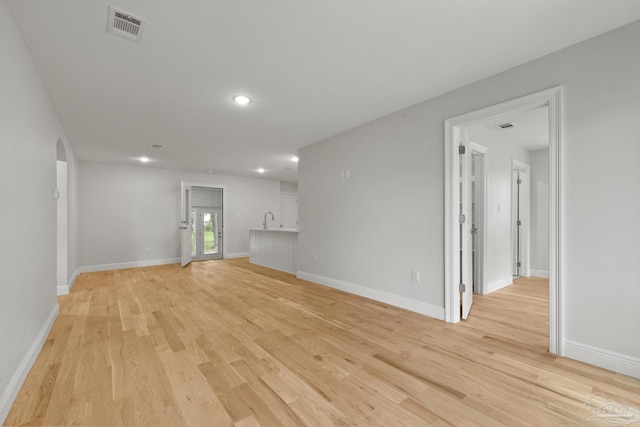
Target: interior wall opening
61	218
540	111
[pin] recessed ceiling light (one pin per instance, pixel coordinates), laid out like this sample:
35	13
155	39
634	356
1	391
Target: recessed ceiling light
144	159
241	99
294	158
260	170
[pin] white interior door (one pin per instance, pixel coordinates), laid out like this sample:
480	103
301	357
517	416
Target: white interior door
520	216
466	236
186	226
289	210
478	215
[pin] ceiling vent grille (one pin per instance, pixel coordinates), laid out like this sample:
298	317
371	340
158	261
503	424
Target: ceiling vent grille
506	125
125	24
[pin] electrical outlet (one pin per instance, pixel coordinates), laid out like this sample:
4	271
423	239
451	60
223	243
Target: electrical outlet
415	275
148	249
315	257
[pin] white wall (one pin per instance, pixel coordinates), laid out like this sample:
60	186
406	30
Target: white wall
288	187
499	225
368	232
29	130
540	212
372	229
125	209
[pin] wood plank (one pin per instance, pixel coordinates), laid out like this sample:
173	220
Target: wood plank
229	343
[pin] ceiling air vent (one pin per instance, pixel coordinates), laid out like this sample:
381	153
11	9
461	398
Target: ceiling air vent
125	24
505	125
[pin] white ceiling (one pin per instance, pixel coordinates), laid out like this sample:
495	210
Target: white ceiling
530	129
313	68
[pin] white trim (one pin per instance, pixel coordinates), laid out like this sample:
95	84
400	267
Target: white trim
498	284
452	127
131	264
275	268
64	290
556	213
602	358
374	294
17	379
540	273
237	255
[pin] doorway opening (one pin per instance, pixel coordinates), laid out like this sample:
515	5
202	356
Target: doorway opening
457	280
202	213
206	233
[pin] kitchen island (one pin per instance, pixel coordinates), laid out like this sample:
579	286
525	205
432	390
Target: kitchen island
274	248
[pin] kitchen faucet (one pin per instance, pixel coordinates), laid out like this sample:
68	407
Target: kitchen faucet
264	223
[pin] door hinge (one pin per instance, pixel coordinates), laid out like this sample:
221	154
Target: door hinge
461	149
519	223
519	264
462	287
461	219
519	181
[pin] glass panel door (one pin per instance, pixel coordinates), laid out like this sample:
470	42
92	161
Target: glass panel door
194	233
207	233
209	220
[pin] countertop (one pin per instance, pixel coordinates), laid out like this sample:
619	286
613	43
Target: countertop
281	230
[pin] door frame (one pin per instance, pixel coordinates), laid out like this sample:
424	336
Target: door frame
552	98
184	185
463	226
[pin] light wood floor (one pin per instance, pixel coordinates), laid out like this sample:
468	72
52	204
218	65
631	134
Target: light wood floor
225	343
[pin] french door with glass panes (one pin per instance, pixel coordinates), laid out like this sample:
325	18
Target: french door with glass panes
206	233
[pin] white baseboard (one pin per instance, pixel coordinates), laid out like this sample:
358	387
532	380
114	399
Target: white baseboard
274	268
602	358
9	394
64	290
374	294
131	264
498	284
237	255
540	273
